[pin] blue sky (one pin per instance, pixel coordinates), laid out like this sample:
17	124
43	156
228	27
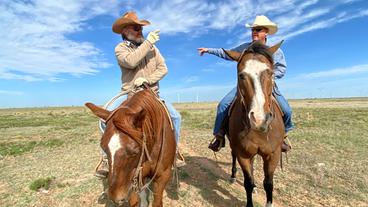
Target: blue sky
61	53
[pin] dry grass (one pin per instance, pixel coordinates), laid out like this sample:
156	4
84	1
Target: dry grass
326	166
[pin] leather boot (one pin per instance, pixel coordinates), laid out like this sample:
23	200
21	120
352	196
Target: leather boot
217	143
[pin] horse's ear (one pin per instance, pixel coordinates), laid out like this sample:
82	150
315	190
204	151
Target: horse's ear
232	54
98	111
274	48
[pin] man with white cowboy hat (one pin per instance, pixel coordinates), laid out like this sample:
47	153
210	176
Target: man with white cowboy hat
140	62
261	28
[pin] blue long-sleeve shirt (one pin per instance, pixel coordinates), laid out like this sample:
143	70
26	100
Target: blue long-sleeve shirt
278	58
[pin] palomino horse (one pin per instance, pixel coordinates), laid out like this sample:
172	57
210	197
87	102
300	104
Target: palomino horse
140	145
255	123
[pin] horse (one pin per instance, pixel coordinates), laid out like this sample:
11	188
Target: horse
140	145
255	124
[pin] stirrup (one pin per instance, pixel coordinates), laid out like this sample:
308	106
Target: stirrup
286	145
180	160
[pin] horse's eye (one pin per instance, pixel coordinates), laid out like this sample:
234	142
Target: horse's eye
242	76
132	151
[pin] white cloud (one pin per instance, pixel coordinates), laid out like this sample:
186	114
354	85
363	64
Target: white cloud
191	79
15	93
338	82
337	72
325	23
34	42
197	17
34	34
208	70
177	16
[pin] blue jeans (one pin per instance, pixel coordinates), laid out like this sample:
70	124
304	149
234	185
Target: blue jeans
224	105
175	118
223	109
286	109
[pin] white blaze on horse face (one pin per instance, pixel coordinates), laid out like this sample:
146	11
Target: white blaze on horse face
254	69
114	146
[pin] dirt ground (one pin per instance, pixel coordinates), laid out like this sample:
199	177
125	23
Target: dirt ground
326	166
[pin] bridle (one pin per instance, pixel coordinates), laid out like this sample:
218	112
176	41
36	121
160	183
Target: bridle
137	185
245	107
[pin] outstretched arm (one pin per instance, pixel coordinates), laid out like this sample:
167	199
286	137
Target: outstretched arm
219	52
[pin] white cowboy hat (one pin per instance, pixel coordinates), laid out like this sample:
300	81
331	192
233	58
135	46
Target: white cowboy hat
129	18
263	21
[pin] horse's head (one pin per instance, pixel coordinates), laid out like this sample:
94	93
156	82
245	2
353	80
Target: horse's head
122	143
255	82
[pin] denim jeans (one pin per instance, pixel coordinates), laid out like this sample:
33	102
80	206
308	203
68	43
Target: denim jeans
224	105
175	118
223	109
286	109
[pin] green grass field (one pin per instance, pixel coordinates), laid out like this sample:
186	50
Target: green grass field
59	148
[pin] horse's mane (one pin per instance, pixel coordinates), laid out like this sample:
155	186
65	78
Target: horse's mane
259	48
142	107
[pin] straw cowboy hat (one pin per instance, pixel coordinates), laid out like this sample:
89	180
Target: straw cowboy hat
263	21
128	18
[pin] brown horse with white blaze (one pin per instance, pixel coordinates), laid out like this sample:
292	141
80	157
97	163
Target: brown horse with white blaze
140	145
255	122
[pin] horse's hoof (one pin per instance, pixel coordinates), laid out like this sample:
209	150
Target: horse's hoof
232	180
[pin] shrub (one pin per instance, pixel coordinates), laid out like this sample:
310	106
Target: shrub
41	183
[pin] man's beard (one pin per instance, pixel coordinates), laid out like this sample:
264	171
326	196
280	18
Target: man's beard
135	40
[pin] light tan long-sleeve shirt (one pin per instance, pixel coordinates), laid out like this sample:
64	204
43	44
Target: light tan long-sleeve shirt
143	61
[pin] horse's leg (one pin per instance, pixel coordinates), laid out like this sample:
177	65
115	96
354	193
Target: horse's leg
269	166
159	185
245	164
233	169
252	171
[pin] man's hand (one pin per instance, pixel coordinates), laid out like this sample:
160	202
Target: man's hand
153	36
202	50
139	81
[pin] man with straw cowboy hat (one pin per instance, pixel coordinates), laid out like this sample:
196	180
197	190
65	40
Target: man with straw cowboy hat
261	28
140	62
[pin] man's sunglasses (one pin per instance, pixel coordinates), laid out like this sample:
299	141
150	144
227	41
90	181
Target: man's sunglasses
257	29
137	28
